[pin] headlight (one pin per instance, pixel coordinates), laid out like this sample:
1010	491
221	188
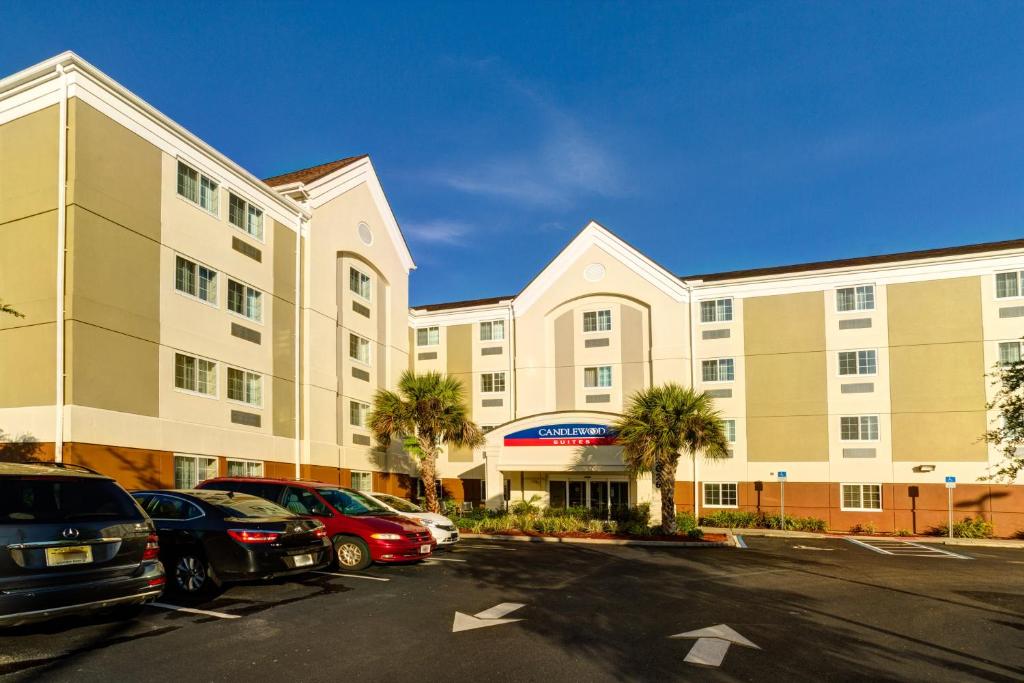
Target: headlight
386	537
425	522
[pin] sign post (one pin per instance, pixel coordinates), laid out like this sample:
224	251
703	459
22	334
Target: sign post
782	499
950	485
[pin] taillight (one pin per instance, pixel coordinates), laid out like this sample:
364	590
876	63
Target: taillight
320	532
152	547
246	536
156	582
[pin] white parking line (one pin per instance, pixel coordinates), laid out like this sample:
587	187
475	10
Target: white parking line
487	547
446	559
193	610
907	549
740	543
353	576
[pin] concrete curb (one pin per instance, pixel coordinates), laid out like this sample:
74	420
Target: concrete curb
606	541
937	540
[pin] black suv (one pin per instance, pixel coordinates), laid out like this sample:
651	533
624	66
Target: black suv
71	541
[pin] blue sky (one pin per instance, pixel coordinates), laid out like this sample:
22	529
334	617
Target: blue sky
712	136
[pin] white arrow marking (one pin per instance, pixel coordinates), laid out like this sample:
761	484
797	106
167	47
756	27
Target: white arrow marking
489	617
712	644
810	547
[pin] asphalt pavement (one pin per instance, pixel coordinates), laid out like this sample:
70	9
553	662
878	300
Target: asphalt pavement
781	609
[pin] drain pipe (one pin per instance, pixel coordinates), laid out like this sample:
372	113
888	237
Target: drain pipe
62	153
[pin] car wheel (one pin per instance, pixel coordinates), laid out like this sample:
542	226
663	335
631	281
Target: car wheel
351	553
192	574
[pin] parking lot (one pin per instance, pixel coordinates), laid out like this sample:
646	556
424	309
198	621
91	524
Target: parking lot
814	609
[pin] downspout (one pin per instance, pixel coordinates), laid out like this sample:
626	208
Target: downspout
693	384
512	360
62	162
298	345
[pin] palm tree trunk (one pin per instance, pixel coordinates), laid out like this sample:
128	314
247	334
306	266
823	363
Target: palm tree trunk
667	484
428	472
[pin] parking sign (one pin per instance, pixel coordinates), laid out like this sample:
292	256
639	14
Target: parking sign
950	482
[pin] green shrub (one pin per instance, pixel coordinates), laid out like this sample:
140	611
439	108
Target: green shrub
903	532
739	519
967	528
635	521
685	521
865	528
525	507
695	534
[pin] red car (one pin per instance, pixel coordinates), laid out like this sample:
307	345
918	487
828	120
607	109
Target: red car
362	530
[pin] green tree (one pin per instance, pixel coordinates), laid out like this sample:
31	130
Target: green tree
659	425
428	410
1008	431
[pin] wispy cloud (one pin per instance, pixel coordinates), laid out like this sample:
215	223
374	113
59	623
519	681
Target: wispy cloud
438	231
564	163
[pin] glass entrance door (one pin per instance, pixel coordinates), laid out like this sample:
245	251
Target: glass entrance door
599	497
577	494
619	498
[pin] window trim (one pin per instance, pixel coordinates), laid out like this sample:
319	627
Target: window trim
504	383
369	350
352	484
878	428
247	461
597	387
842	498
428	328
245	373
726	429
1019	272
717	360
194	458
227	304
369	282
999	350
353	401
199	180
583	324
839	372
855	310
704	494
195	297
262	239
480	326
732	311
192	392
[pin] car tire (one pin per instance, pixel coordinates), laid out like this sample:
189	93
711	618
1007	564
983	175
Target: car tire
351	553
191	574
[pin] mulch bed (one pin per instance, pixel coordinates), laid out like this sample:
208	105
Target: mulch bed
708	538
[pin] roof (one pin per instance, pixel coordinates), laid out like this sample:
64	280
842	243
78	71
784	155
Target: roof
490	301
308	175
860	261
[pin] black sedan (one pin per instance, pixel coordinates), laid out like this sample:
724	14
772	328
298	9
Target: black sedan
210	537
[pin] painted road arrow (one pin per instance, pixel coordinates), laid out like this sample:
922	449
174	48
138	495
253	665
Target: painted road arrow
712	644
489	617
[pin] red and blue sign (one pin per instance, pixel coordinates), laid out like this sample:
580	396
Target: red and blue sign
563	435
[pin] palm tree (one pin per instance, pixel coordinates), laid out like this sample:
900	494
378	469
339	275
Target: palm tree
427	410
659	425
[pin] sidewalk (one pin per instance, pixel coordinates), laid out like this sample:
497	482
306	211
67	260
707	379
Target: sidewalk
939	540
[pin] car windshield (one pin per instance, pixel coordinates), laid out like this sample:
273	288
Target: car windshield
399	504
350	502
242	505
63	499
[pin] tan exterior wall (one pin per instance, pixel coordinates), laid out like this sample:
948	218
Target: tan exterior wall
787	408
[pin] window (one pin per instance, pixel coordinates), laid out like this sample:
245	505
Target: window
1008	285
195	374
860	298
245	468
245	301
244	215
170	507
719	495
597	321
304	502
718	370
357	413
492	382
1009	353
600	376
487	428
428	336
198	188
245	386
858	428
862	497
189	470
717	311
195	280
362	481
359	282
493	330
857	362
359	348
730	430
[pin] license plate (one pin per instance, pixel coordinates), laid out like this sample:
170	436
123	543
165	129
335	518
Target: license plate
303	560
424	549
72	554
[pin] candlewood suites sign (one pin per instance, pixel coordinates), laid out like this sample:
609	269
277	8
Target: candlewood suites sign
563	435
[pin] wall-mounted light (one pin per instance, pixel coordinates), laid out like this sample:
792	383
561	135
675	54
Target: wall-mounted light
925	468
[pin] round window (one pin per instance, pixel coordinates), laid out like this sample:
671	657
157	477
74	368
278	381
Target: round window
594	272
365	234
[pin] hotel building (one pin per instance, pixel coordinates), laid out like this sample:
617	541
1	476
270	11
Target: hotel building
185	319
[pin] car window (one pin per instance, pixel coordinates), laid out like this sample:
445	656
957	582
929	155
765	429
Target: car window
399	504
61	499
171	507
304	502
351	502
271	492
247	506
